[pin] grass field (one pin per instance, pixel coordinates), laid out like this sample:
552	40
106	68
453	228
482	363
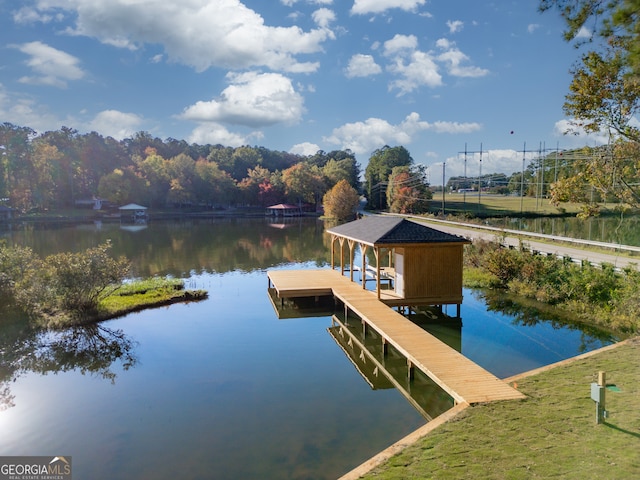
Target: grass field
551	434
489	205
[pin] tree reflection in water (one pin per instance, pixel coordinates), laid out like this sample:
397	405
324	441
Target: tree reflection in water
529	313
90	349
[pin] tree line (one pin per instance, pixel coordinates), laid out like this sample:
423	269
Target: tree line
61	168
57	169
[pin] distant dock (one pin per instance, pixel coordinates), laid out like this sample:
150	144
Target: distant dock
462	379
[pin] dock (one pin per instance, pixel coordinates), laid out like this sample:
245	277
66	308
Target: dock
461	378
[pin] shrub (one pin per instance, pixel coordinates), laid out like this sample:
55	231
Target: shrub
505	264
68	286
598	295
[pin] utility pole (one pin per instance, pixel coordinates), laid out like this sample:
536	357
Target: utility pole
480	173
443	175
524	153
480	181
464	189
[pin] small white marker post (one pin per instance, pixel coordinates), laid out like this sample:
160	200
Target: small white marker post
598	396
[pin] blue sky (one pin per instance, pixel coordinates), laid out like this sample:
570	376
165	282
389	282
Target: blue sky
296	75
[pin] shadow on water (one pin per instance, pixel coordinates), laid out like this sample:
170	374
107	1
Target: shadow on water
384	369
363	347
92	350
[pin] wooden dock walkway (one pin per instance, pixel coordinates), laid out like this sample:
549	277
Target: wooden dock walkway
461	378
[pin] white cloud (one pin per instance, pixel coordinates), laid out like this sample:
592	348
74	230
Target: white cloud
455	25
323	17
27	15
417	70
493	161
414	67
399	44
290	3
363	7
51	66
577	136
198	33
253	99
455	127
362	66
24	111
113	123
454	59
214	133
365	137
304	148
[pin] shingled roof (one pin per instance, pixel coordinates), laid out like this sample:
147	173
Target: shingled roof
377	230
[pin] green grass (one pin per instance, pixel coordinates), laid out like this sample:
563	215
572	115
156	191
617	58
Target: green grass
477	278
498	205
551	434
142	294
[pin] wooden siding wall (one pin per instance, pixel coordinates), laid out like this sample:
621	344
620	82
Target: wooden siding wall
433	271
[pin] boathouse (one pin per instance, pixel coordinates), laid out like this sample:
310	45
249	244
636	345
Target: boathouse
133	213
284	210
413	264
427	263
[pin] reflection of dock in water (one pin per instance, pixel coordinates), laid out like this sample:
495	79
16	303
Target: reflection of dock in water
383	370
461	378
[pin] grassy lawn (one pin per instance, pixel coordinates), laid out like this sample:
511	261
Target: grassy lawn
496	205
553	433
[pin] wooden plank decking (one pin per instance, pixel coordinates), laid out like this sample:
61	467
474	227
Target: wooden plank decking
461	378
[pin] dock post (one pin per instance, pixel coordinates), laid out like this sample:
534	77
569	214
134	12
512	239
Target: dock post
364	329
410	370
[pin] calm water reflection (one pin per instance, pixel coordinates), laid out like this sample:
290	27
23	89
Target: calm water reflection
223	388
623	230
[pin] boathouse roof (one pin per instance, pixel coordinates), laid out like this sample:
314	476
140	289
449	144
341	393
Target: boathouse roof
383	230
132	206
283	206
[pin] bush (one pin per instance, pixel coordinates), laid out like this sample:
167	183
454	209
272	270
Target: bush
14	262
64	287
505	264
597	295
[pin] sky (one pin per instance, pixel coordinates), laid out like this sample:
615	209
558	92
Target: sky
436	76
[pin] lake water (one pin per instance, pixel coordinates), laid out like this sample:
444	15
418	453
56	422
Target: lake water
223	388
621	230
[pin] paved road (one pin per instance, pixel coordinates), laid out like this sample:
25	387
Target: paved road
544	243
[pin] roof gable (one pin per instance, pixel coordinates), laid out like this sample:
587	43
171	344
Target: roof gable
132	206
376	230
